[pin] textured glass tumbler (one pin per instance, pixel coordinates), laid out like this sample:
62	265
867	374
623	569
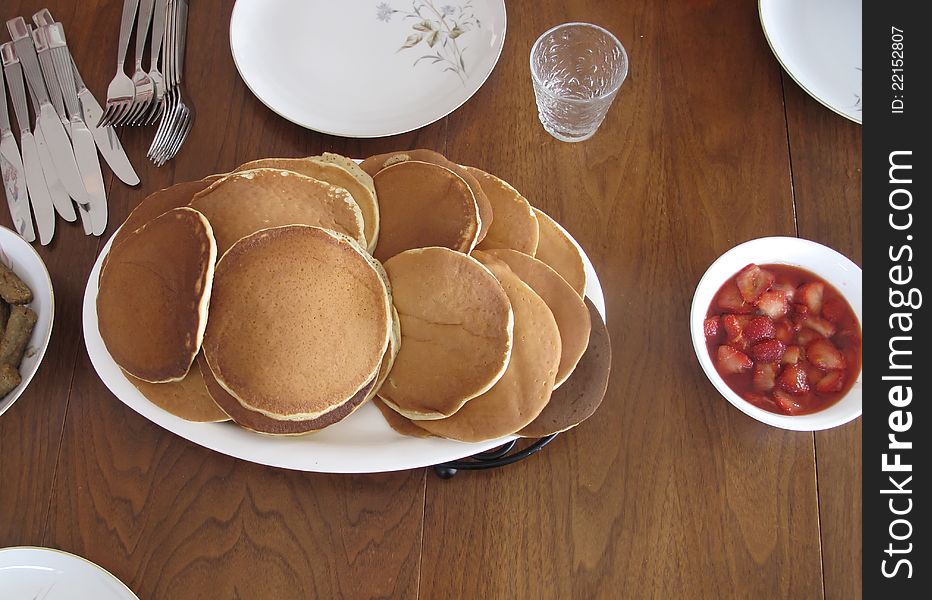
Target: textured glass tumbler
576	69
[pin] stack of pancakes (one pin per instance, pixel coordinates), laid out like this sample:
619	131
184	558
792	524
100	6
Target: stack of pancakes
287	293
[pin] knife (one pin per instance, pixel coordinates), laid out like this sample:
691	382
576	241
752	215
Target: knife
58	143
35	180
106	138
60	198
84	151
13	173
41	42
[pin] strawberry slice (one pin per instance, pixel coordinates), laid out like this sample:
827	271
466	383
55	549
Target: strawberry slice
785	332
733	361
832	382
833	310
713	329
773	303
800	310
810	294
792	355
764	377
787	289
807	336
787	403
793	379
824	355
761	401
768	351
753	281
729	298
820	325
759	328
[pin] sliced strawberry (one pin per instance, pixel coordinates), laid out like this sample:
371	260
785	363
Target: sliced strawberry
823	327
810	294
792	355
729	298
848	337
787	289
806	336
832	382
764	378
813	373
785	332
768	351
713	329
733	361
793	379
773	303
734	325
753	281
787	403
761	401
759	328
824	355
800	310
834	310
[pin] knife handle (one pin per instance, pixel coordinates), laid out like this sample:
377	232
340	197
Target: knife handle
14	75
22	39
43	18
41	42
4	110
61	59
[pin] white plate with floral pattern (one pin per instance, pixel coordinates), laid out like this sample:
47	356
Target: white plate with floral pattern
819	45
33	573
366	68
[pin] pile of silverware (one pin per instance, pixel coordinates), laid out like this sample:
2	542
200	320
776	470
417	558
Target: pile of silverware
156	95
58	170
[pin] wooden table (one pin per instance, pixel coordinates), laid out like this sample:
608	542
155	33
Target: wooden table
667	492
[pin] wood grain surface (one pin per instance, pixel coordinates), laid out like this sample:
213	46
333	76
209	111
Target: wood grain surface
666	492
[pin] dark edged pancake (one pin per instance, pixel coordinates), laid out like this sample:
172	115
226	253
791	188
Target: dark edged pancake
188	399
423	205
557	250
399	423
515	225
300	320
374	164
334	174
581	394
524	389
248	201
158	203
153	295
456	332
567	307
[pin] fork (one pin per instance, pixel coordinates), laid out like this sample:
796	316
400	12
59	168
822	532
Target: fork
121	91
178	115
141	81
158	82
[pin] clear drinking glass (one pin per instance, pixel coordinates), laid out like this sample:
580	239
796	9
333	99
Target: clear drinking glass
576	69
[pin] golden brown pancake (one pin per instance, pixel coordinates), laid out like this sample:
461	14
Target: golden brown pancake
299	323
333	174
581	394
567	307
515	225
374	164
245	202
158	203
187	399
388	359
524	389
399	423
456	332
350	165
422	205
260	423
558	250
153	295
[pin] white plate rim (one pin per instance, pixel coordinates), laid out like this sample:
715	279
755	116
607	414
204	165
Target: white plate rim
380	134
452	450
794	76
41	551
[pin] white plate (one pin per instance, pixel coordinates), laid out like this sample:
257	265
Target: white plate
342	68
23	259
819	45
362	443
28	573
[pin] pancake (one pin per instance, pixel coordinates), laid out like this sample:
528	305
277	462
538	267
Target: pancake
300	319
153	295
187	399
558	250
581	395
245	202
515	225
401	424
567	307
333	174
350	165
260	423
374	164
422	205
524	389
388	359
456	332
158	203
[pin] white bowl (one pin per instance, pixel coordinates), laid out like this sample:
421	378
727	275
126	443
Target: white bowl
27	264
828	264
